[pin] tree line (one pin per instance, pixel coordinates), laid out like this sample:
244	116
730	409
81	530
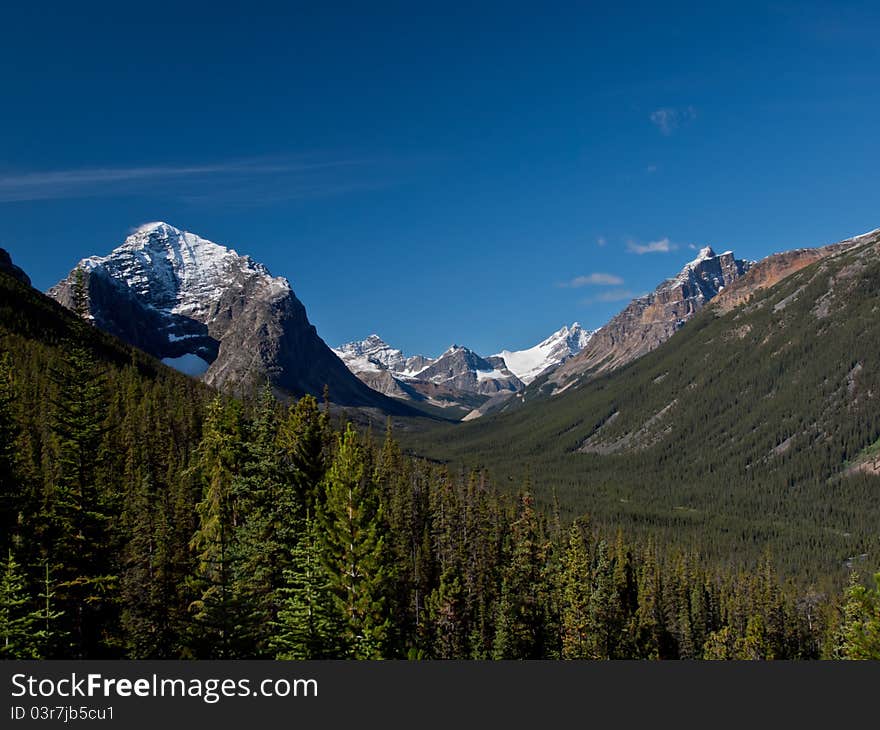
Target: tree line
147	517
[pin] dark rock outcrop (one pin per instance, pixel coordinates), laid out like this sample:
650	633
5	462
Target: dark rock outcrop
10	268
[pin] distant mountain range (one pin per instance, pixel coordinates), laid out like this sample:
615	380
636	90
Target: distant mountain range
459	378
212	313
738	400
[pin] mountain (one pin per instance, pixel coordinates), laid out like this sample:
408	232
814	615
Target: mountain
774	268
754	426
374	354
462	369
458	382
7	267
560	346
651	320
208	311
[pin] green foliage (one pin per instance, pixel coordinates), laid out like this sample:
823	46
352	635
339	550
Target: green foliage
307	627
18	622
354	550
77	502
859	634
222	617
738	433
165	521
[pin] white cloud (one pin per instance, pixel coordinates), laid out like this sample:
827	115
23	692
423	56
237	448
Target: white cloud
299	176
612	295
668	119
601	241
595	279
664	245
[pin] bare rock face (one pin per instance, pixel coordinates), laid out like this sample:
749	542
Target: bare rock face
206	310
7	267
464	370
766	272
647	322
457	379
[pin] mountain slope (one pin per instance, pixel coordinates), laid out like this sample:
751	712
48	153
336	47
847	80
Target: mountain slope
738	433
7	267
207	310
650	320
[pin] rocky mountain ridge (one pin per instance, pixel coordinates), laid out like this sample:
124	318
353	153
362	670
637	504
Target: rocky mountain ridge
204	309
650	320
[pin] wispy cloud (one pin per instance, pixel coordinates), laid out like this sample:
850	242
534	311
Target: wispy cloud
601	241
295	178
668	119
612	295
664	245
595	279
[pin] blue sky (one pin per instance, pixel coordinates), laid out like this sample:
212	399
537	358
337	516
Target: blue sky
474	173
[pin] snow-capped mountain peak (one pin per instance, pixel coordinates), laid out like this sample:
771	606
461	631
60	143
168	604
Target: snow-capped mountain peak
528	364
371	354
208	311
177	271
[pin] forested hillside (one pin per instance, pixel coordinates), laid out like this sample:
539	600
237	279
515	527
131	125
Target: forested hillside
144	516
744	430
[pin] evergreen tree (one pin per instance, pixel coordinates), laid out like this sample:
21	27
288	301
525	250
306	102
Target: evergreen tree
354	551
307	626
576	591
604	612
304	439
445	608
859	636
219	614
78	507
11	502
24	628
524	626
271	511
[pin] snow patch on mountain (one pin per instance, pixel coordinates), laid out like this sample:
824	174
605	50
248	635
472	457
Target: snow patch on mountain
188	364
528	364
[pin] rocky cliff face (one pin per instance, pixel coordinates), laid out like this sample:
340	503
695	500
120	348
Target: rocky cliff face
462	369
457	380
209	311
10	268
774	268
649	321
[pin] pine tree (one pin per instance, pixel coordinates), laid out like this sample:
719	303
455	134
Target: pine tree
11	501
22	631
77	506
79	293
604	609
271	519
219	614
307	627
649	632
445	607
304	436
576	597
524	627
859	636
354	551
